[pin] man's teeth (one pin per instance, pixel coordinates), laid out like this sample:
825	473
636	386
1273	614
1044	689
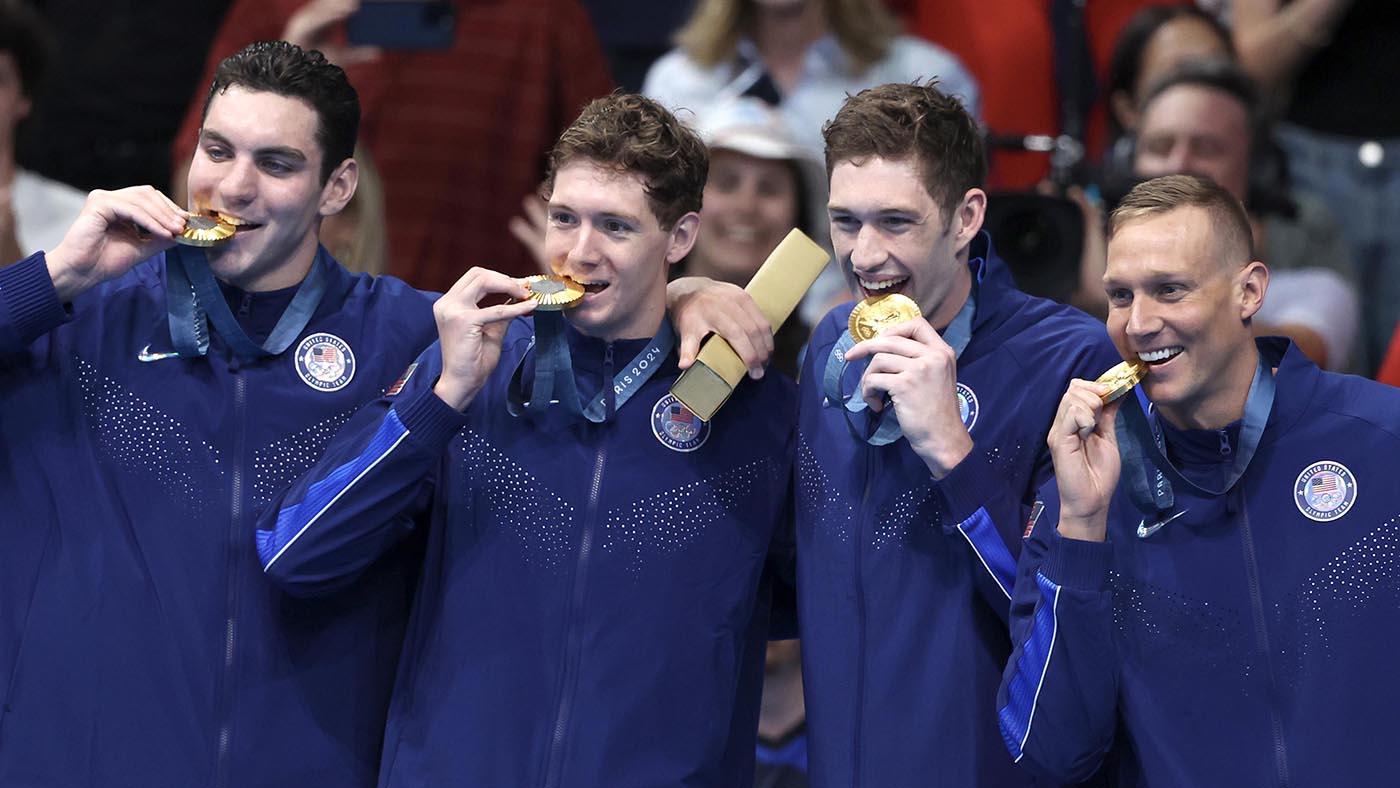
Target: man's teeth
885	285
1153	356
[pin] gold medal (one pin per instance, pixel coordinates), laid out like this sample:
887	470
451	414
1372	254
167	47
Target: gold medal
876	314
1122	378
204	231
553	292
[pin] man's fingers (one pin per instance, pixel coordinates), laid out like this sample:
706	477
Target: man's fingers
873	389
887	343
917	329
690	347
504	313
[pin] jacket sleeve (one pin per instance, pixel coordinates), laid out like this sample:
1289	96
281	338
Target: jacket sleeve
1057	704
29	305
983	506
374	481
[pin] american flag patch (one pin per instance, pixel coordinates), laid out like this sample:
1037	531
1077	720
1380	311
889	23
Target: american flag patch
1324	482
402	381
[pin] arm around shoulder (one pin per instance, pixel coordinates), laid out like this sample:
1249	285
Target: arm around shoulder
367	492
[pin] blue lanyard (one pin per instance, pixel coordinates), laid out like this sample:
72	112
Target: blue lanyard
958	334
554	372
1151	475
193	301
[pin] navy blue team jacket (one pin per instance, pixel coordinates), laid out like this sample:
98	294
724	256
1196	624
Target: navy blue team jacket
1250	640
589	608
140	644
904	581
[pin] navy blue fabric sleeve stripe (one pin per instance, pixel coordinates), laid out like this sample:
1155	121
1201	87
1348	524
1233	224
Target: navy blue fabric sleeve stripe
292	521
1023	687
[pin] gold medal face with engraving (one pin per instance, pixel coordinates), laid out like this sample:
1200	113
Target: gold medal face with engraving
204	231
1121	379
876	314
553	292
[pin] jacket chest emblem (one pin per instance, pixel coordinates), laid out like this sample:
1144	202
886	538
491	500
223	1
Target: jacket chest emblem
676	427
967	405
1325	491
324	362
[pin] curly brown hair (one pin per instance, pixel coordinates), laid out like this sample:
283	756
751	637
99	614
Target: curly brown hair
634	134
914	121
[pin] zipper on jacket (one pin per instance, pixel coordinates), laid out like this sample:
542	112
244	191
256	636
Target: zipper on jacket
224	702
858	536
553	774
1261	635
554	766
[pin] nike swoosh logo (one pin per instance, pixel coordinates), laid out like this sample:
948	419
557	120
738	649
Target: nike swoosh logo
147	355
1145	530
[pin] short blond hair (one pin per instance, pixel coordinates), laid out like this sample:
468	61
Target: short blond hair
1162	195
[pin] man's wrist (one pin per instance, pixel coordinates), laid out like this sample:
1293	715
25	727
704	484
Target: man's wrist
941	460
67	282
457	395
1093	528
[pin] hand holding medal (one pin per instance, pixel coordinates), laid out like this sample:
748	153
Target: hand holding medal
471	334
909	364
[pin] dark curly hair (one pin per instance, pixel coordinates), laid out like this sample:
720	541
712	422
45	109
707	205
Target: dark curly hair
634	134
288	70
914	121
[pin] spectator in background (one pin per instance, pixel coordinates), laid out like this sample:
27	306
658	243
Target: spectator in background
34	211
762	184
113	100
1153	43
802	56
355	236
1203	119
458	134
1336	60
1010	48
634	33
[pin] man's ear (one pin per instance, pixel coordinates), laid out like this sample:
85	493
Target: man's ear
1252	283
339	188
969	216
683	235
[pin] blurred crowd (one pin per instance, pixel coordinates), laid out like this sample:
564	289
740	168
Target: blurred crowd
1279	101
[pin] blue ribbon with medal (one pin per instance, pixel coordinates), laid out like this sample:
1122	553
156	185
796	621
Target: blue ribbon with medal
886	425
554	372
1150	474
194	301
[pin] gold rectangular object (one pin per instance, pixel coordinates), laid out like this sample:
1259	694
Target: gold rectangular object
777	288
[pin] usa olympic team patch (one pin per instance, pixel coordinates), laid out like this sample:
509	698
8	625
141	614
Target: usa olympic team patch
324	362
1325	491
967	406
676	427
